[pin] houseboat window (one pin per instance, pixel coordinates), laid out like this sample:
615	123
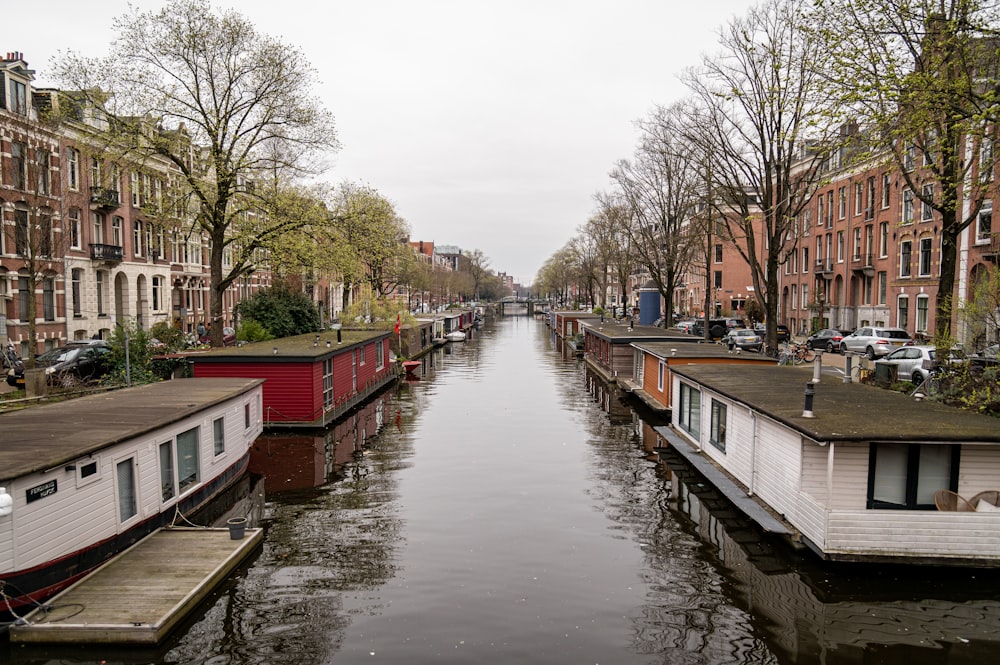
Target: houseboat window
166	471
328	383
219	435
690	411
660	371
187	459
126	490
88	470
361	356
380	354
246	415
906	476
717	436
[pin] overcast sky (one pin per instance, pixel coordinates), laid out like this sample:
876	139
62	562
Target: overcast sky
490	125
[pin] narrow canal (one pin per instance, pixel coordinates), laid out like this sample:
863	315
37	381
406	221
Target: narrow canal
505	508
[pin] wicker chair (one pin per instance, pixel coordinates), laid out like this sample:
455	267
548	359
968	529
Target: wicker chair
948	500
991	497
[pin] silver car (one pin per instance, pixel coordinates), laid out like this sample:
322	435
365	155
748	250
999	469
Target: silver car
875	342
915	363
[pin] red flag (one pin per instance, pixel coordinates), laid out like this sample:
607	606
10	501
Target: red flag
397	324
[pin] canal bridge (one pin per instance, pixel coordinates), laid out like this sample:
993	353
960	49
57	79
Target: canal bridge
517	307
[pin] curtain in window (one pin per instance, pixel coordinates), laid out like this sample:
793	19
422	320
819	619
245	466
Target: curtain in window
187	459
126	490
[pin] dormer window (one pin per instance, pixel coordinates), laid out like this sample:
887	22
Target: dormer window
18	97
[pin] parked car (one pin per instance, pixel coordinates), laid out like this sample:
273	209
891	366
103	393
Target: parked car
13	367
916	363
827	339
718	328
77	362
875	342
685	326
228	337
780	329
743	338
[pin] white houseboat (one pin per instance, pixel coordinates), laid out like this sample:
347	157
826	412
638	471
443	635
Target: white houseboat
84	479
855	472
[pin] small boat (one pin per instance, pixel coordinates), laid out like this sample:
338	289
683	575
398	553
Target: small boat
455	336
411	367
82	480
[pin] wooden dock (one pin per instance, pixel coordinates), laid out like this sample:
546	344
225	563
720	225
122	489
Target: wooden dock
141	594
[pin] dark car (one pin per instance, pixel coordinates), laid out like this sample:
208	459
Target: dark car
12	366
780	329
717	328
77	362
827	339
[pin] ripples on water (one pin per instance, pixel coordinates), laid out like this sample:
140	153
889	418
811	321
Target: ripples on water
506	509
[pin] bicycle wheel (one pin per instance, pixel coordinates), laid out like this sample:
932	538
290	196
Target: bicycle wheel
808	355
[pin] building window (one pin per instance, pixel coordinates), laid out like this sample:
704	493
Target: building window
361	356
883	283
137	237
926	208
717	277
73	169
22	233
857	244
689	417
42	176
910	157
246	415
907	206
157	293
98	228
127	504
718	253
903	312
923	303
77	303
905	248
18	98
661	371
49	299
23	300
133	185
905	476
101	276
74	228
870	208
187	459
18	165
866	292
984	224
986	159
840	246
219	435
883	239
717	434
842	203
379	354
886	190
95	172
925	257
859	197
821	211
116	231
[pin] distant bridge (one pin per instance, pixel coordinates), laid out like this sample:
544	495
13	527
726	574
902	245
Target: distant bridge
517	307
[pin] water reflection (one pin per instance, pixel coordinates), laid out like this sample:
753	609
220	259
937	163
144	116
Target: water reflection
507	507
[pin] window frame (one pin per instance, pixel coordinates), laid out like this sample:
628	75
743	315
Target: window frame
719	424
912	473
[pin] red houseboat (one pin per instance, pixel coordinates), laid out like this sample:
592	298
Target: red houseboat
309	380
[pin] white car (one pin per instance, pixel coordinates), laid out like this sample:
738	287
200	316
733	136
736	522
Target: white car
915	363
875	341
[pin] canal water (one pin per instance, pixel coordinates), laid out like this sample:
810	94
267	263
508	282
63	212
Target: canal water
507	508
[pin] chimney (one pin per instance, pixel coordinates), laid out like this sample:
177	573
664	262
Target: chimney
807	412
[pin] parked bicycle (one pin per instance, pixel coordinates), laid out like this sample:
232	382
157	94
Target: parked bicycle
795	354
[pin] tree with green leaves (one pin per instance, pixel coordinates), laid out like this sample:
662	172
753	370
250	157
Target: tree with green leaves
922	78
229	108
283	312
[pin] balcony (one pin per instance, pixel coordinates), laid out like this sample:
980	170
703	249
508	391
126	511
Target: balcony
102	197
109	253
864	263
824	267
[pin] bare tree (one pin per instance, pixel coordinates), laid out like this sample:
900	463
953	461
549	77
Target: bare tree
658	188
228	107
478	266
769	132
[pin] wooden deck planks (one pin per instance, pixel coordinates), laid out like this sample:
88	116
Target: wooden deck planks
137	597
